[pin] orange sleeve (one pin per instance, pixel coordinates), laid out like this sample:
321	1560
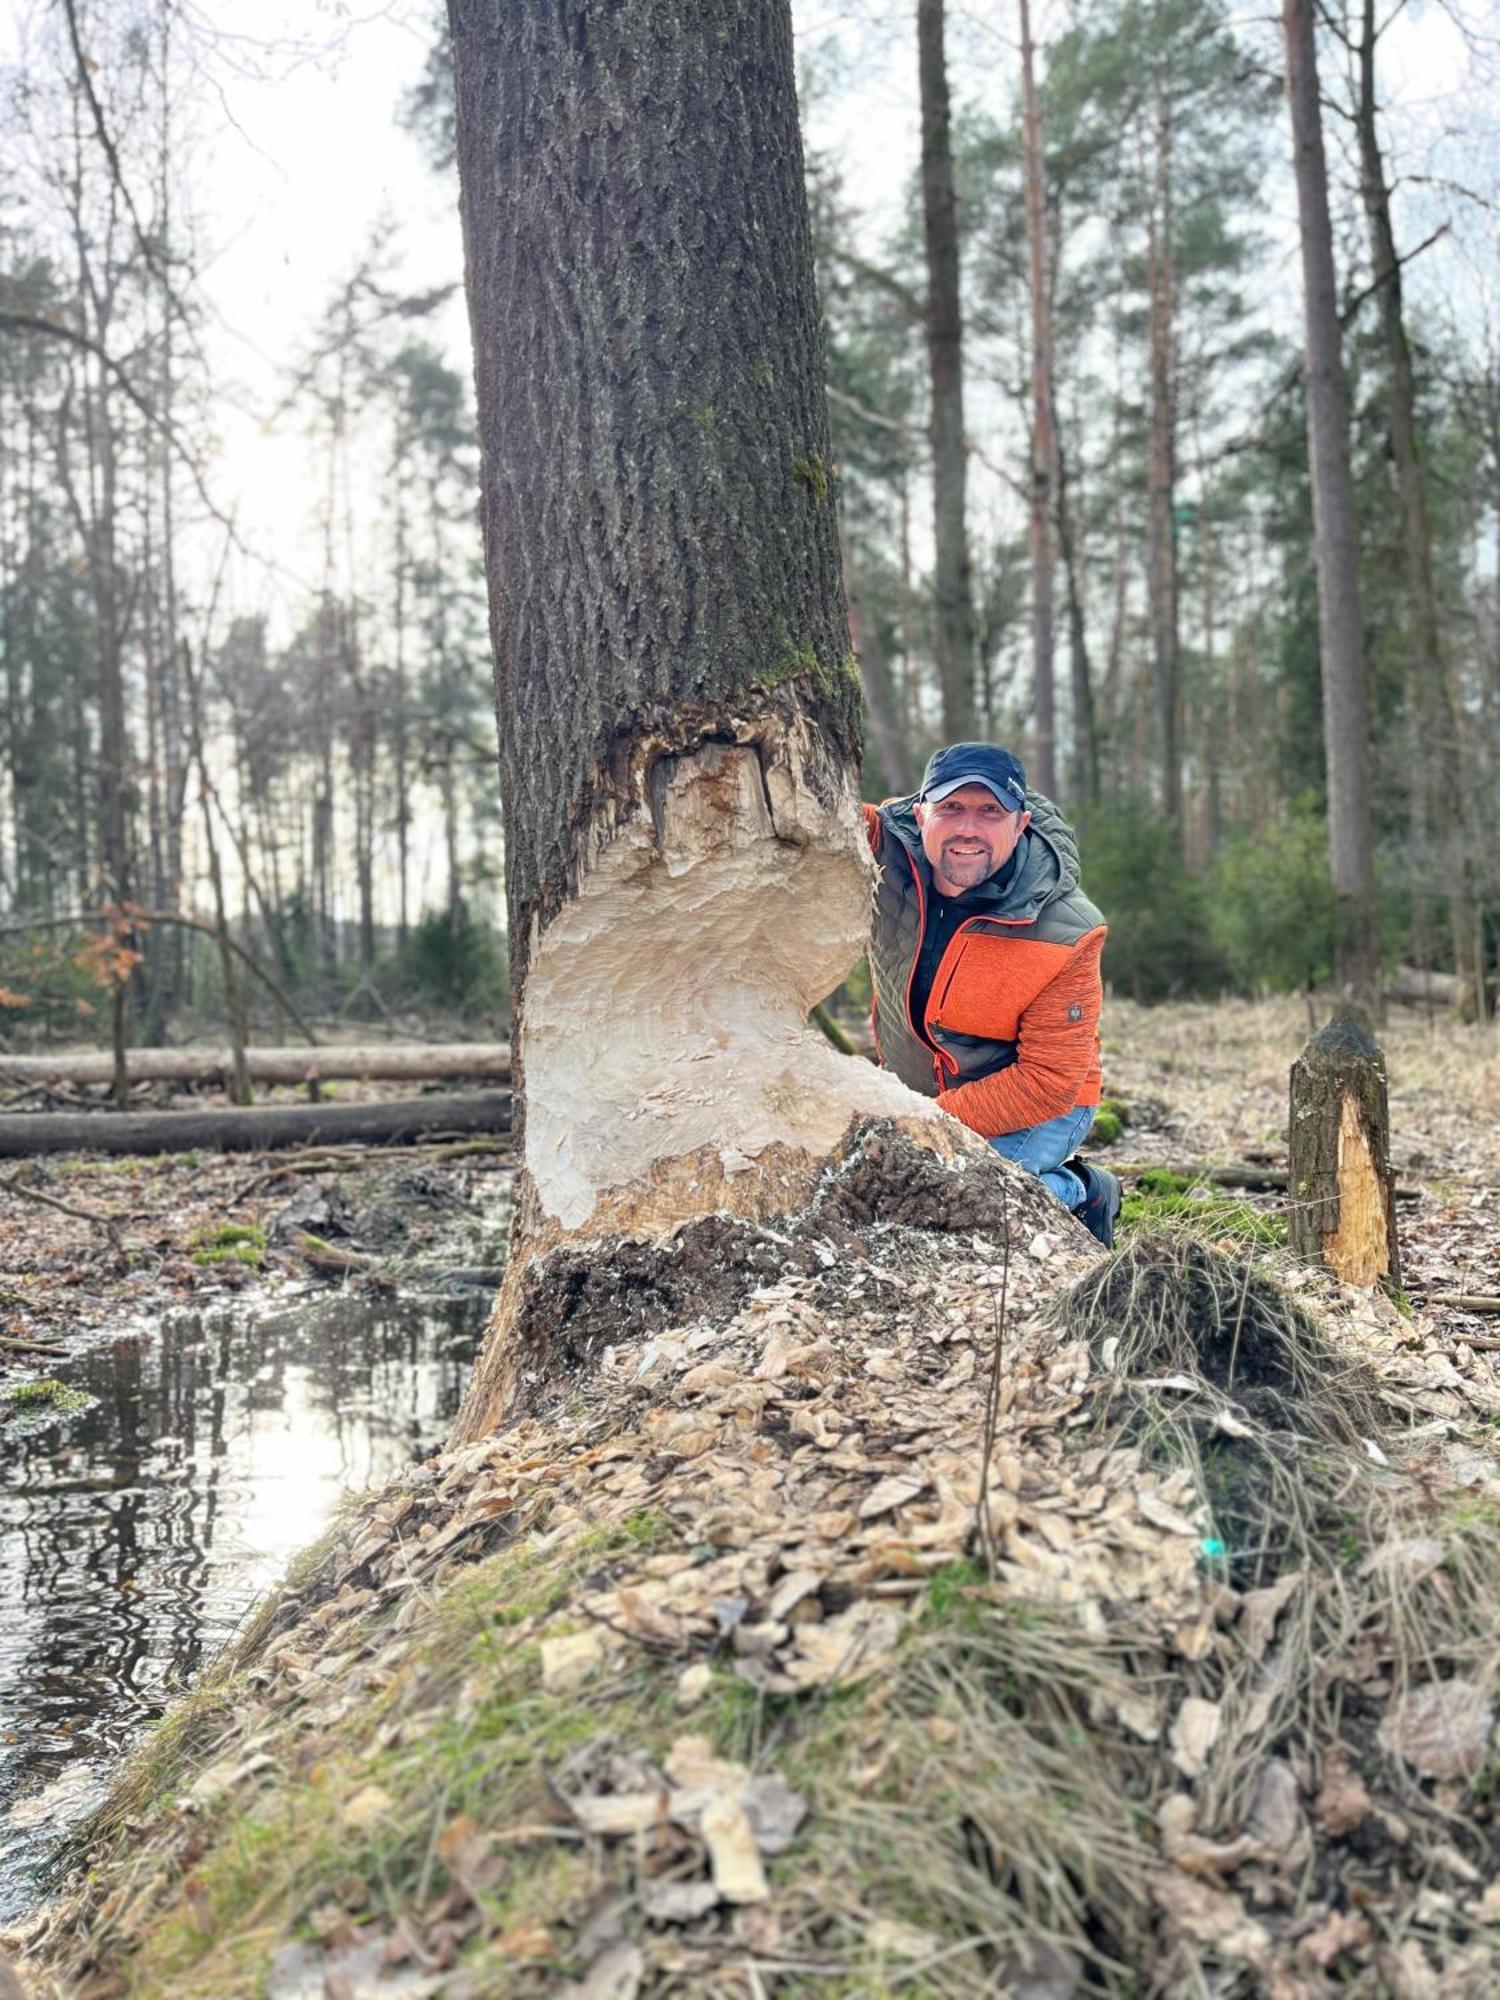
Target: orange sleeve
872	827
1058	1049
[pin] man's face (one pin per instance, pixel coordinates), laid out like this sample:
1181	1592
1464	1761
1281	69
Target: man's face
967	836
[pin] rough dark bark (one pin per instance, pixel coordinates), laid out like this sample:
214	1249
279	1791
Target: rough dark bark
1342	1211
953	598
658	504
242	1131
1346	721
1043	435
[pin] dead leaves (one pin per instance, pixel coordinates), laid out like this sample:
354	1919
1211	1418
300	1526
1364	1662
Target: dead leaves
1442	1729
701	1812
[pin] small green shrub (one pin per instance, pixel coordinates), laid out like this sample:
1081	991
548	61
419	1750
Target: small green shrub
1271	905
1159	943
458	965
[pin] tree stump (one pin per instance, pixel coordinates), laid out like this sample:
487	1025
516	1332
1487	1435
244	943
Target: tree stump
1342	1198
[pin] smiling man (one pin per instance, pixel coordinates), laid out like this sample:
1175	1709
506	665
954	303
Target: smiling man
985	961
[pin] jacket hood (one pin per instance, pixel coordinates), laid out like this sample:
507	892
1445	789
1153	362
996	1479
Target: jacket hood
1047	851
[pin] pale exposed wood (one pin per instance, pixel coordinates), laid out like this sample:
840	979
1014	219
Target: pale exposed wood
235	1131
1357	1250
412	1062
1342	1212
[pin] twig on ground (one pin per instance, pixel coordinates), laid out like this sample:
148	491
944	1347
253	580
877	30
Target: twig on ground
110	1224
334	1262
992	1398
13	1346
1469	1302
334	1159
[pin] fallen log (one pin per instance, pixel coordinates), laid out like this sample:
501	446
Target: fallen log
252	1131
409	1062
1417	986
1229	1174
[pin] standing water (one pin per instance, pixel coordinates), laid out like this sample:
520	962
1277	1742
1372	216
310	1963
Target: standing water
135	1535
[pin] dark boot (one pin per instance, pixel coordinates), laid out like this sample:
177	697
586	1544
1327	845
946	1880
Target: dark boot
1101	1199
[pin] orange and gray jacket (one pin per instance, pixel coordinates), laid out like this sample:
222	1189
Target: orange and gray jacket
1010	1036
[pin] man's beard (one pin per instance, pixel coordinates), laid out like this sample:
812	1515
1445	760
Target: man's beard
967	871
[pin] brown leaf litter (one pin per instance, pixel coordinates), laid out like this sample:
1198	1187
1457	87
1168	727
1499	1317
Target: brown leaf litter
1304	1793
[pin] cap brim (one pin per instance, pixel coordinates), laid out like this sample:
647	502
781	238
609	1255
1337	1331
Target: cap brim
1007	799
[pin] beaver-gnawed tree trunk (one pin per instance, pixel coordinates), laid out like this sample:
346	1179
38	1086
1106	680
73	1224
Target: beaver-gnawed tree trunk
678	709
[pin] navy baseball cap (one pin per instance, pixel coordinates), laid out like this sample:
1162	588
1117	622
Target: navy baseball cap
975	764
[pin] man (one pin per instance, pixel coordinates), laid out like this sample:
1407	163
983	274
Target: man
984	957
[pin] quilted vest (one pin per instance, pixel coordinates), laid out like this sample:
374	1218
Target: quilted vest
1041	905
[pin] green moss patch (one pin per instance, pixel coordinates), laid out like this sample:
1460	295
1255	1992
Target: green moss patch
229	1243
1161	1199
42	1401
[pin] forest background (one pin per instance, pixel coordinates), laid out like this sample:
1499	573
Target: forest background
244	666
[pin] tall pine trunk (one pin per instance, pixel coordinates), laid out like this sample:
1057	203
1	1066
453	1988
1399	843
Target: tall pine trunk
1346	720
1043	436
953	597
678	708
1162	341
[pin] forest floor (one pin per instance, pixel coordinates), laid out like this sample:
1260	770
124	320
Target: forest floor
91	1245
956	1612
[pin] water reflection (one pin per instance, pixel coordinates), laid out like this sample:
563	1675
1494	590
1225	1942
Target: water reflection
133	1538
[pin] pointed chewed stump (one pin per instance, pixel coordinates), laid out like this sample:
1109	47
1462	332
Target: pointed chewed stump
1342	1198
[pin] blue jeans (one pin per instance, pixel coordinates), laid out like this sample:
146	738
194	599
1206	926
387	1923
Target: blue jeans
1041	1150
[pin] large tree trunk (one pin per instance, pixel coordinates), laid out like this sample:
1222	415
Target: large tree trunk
678	707
1346	722
1043	436
953	605
1444	852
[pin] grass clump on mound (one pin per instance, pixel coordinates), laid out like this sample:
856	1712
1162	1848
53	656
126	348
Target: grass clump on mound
1209	1363
1363	1601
